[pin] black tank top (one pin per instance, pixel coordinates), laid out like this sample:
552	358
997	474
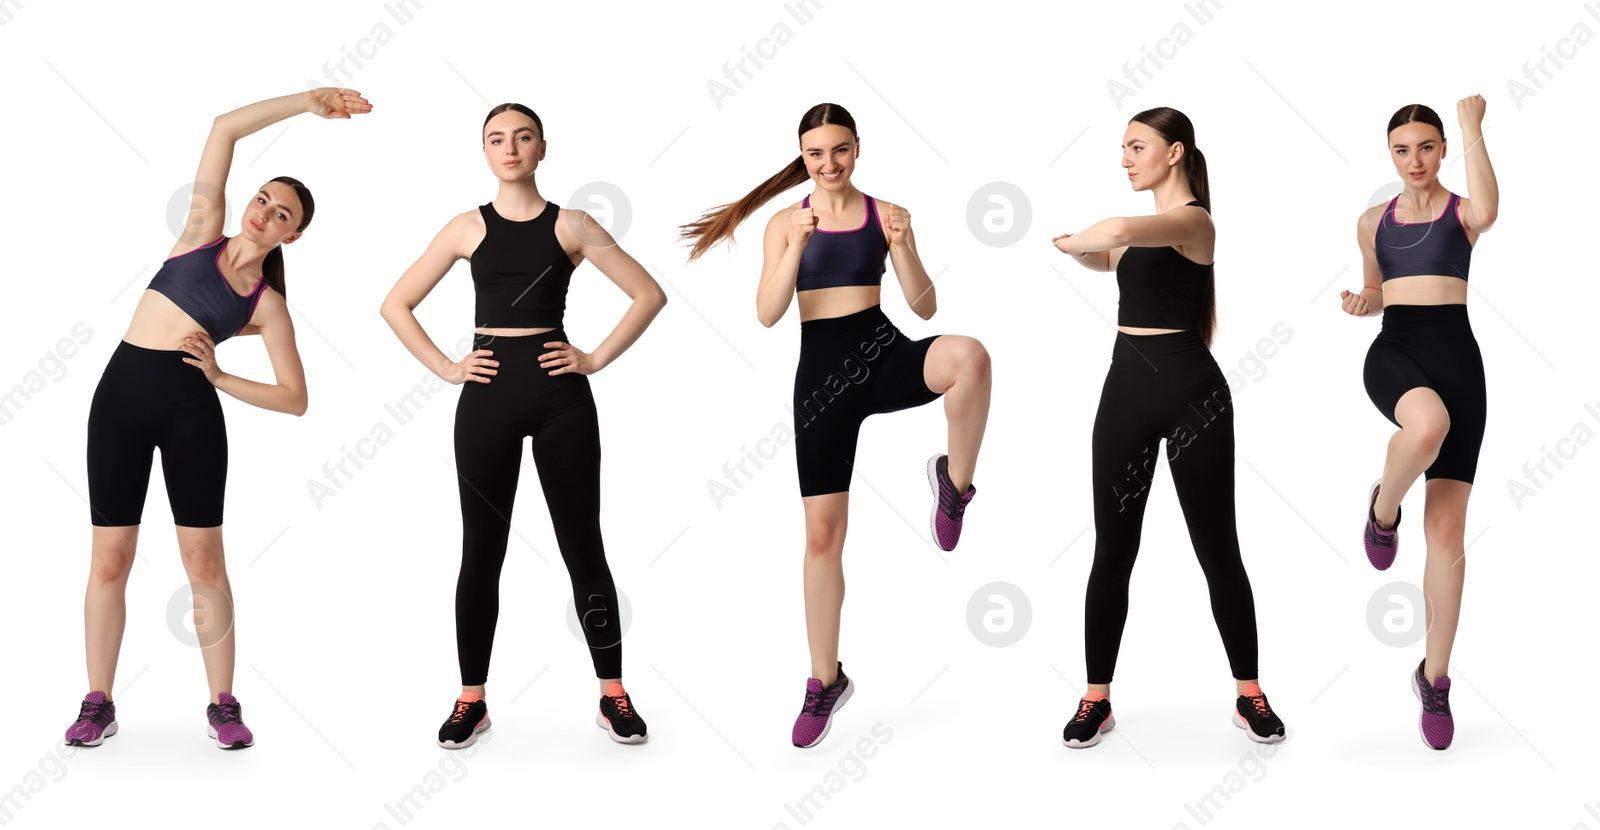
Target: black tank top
1161	288
194	283
520	271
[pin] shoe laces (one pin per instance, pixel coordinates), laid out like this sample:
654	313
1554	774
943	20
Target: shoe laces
624	707
1085	706
951	504
1260	704
1436	701
460	713
94	712
229	713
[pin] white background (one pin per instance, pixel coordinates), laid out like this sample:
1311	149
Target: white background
345	629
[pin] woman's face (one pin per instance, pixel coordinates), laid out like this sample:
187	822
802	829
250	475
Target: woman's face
273	216
1147	157
512	145
1416	149
830	152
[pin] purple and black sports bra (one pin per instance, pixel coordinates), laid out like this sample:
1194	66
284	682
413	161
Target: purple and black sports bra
853	257
194	283
1406	249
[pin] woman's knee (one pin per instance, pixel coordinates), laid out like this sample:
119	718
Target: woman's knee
971	358
1427	422
824	537
112	553
1444	529
109	567
203	563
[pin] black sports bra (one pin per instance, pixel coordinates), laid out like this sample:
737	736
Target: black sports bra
194	282
853	257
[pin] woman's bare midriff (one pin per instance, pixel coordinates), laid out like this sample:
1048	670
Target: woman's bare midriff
1424	289
158	323
819	303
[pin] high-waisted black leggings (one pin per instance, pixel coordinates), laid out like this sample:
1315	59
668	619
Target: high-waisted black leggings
1165	386
149	399
1433	346
492	418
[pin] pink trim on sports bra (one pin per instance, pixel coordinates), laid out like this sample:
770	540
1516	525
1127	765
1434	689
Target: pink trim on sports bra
201	248
1451	203
871	214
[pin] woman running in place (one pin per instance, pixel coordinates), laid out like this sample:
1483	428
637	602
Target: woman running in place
159	391
853	363
1424	371
525	379
1163	383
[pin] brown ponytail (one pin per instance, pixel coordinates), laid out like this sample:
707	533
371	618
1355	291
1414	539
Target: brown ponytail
272	266
272	270
1176	128
718	224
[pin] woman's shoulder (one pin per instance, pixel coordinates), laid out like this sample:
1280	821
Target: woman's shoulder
185	246
780	216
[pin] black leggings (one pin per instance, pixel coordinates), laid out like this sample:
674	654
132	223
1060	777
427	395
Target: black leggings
1433	346
492	418
1165	386
149	399
850	367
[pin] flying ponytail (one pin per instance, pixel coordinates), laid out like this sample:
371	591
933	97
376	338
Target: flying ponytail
718	224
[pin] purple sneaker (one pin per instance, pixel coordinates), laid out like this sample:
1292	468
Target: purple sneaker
226	724
948	508
97	720
1382	545
816	716
1437	725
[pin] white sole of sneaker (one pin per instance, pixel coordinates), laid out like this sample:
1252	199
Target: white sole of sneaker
111	729
482	726
837	705
600	721
933	512
211	732
1251	733
1110	724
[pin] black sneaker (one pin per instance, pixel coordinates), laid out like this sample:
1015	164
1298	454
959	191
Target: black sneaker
1092	721
618	717
1253	715
469	717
